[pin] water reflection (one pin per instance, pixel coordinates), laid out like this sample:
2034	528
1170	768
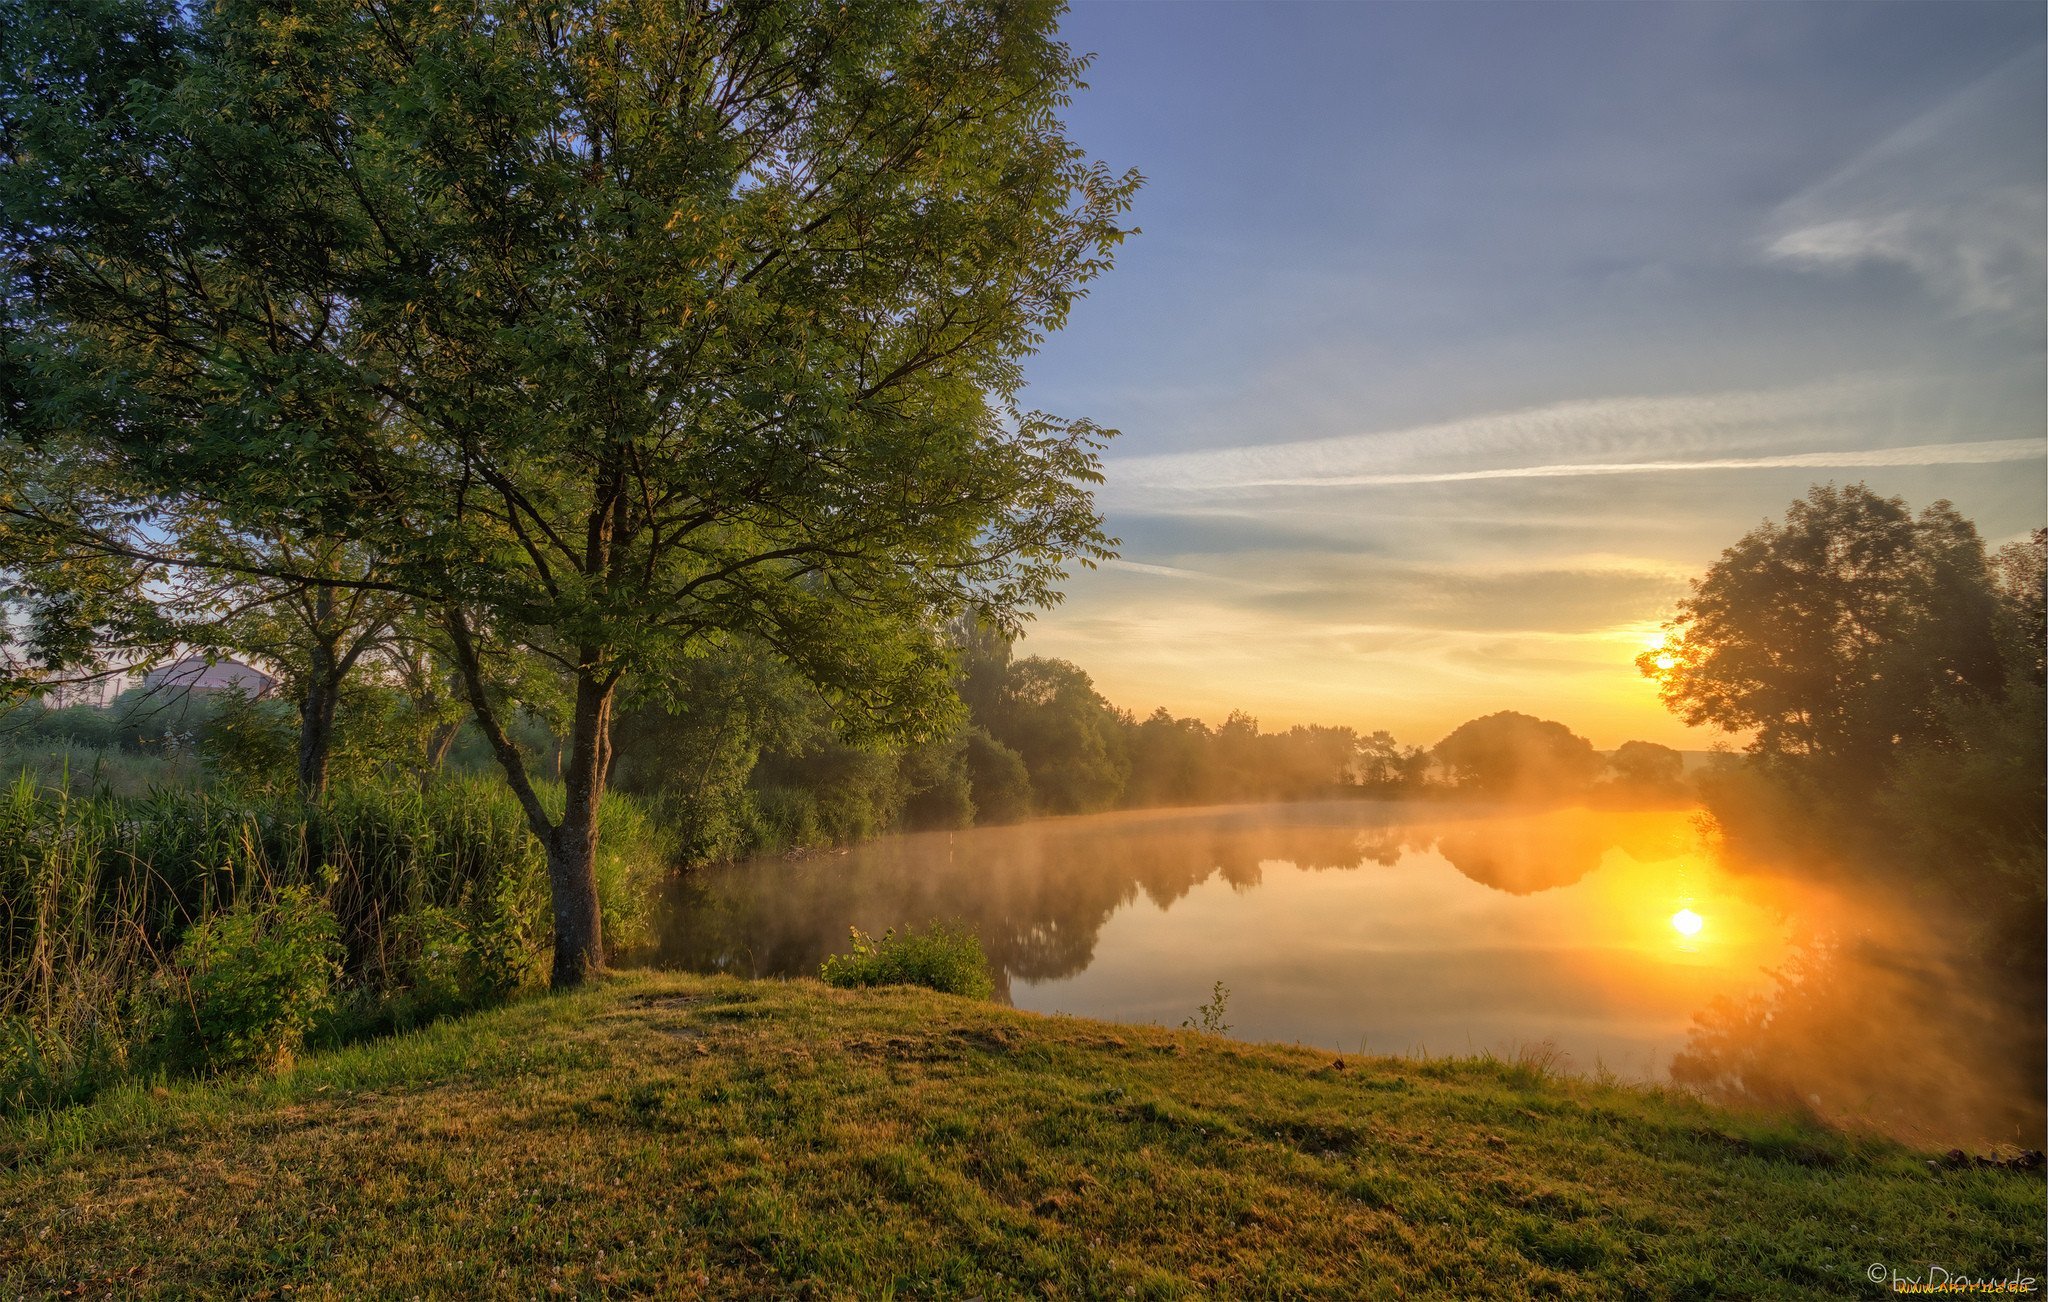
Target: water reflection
1388	927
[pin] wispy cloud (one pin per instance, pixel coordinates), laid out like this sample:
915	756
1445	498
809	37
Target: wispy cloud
1928	454
1167	571
1743	430
1951	196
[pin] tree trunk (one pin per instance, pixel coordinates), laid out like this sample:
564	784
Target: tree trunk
579	926
439	742
572	846
571	843
316	720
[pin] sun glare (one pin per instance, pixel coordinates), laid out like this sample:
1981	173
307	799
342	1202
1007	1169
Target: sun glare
1687	923
1665	662
1654	641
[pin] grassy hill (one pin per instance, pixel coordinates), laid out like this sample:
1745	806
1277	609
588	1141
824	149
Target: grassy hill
692	1137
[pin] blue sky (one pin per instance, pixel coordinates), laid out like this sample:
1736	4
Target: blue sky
1459	335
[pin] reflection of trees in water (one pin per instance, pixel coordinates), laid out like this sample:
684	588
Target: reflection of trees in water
1510	859
1541	852
1039	894
1879	1038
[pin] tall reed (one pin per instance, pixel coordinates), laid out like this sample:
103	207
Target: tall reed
439	898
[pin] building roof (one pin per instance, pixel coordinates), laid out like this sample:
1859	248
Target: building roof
198	674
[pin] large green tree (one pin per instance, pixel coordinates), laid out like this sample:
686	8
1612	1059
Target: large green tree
609	328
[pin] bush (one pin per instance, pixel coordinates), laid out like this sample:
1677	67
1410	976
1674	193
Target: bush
783	819
632	856
249	984
436	966
947	958
254	743
81	725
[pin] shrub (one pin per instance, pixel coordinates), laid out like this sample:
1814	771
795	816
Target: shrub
783	819
81	725
1211	1014
248	984
436	965
947	958
254	743
632	856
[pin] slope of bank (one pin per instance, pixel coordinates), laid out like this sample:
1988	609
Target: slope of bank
704	1137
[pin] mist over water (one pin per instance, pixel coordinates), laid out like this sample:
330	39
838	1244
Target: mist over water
1617	939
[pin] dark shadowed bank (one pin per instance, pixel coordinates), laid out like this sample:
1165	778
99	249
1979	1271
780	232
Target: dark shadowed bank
705	1137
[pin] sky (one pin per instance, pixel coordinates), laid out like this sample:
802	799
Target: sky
1459	337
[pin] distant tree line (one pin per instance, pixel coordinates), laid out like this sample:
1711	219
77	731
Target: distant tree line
749	758
739	754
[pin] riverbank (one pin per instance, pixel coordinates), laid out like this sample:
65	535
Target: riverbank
705	1137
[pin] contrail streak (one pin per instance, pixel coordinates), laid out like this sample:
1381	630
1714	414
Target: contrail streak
1925	454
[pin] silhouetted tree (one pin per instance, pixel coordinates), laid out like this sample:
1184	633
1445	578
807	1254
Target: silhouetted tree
1518	756
1170	761
1646	766
1837	634
2020	575
1892	673
1384	765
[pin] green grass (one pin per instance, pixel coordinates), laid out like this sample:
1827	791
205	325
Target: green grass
704	1137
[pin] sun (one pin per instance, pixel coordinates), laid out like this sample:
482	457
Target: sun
1687	923
1665	662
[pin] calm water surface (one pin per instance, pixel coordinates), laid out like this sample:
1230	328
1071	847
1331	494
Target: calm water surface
1615	939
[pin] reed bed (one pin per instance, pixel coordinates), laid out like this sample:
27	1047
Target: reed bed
434	900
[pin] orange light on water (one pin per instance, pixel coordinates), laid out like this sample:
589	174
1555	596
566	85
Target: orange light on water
1687	923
